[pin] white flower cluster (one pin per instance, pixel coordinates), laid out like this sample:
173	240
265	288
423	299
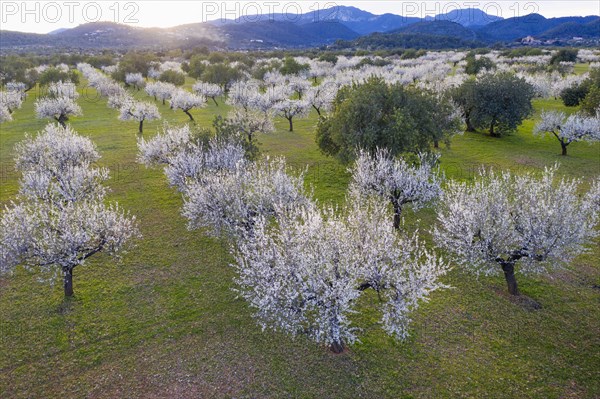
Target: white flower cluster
62	218
502	218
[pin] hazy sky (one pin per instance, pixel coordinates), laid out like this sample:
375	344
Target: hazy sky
46	16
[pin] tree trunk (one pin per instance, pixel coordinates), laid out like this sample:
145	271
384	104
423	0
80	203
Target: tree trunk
61	119
141	128
564	148
508	267
397	214
163	101
337	347
216	103
187	112
291	124
436	144
470	127
68	280
317	109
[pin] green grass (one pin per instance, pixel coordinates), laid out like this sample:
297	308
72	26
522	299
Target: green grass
165	322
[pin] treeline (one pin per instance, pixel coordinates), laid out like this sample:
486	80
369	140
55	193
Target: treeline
407	40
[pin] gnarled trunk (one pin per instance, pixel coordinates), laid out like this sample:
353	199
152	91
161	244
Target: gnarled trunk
337	347
397	213
564	145
470	127
291	124
141	127
62	119
216	103
68	282
508	267
187	112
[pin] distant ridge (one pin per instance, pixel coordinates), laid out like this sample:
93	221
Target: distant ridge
466	28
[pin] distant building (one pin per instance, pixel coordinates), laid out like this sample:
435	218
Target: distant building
530	40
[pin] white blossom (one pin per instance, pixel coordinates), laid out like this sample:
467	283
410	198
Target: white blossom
5	115
230	201
289	109
208	90
135	79
62	219
305	273
185	101
568	129
499	220
139	111
60	108
395	180
63	89
321	97
187	160
56	167
11	100
161	90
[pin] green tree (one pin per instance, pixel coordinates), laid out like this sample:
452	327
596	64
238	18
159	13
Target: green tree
377	115
591	103
293	67
134	62
464	97
18	69
173	77
51	75
197	66
329	57
502	101
564	55
220	74
572	96
475	65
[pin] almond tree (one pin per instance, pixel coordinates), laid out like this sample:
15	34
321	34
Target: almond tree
244	94
305	272
59	109
395	180
63	89
229	201
57	173
139	111
185	101
244	125
5	115
289	109
11	100
136	80
321	97
299	85
188	160
568	129
61	219
160	90
539	222
208	90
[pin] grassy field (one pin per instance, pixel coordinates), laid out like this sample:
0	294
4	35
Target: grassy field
164	322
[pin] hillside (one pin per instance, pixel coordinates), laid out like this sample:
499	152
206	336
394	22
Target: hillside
439	28
468	17
535	25
285	34
380	41
465	28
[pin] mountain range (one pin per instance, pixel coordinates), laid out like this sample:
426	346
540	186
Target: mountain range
347	25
